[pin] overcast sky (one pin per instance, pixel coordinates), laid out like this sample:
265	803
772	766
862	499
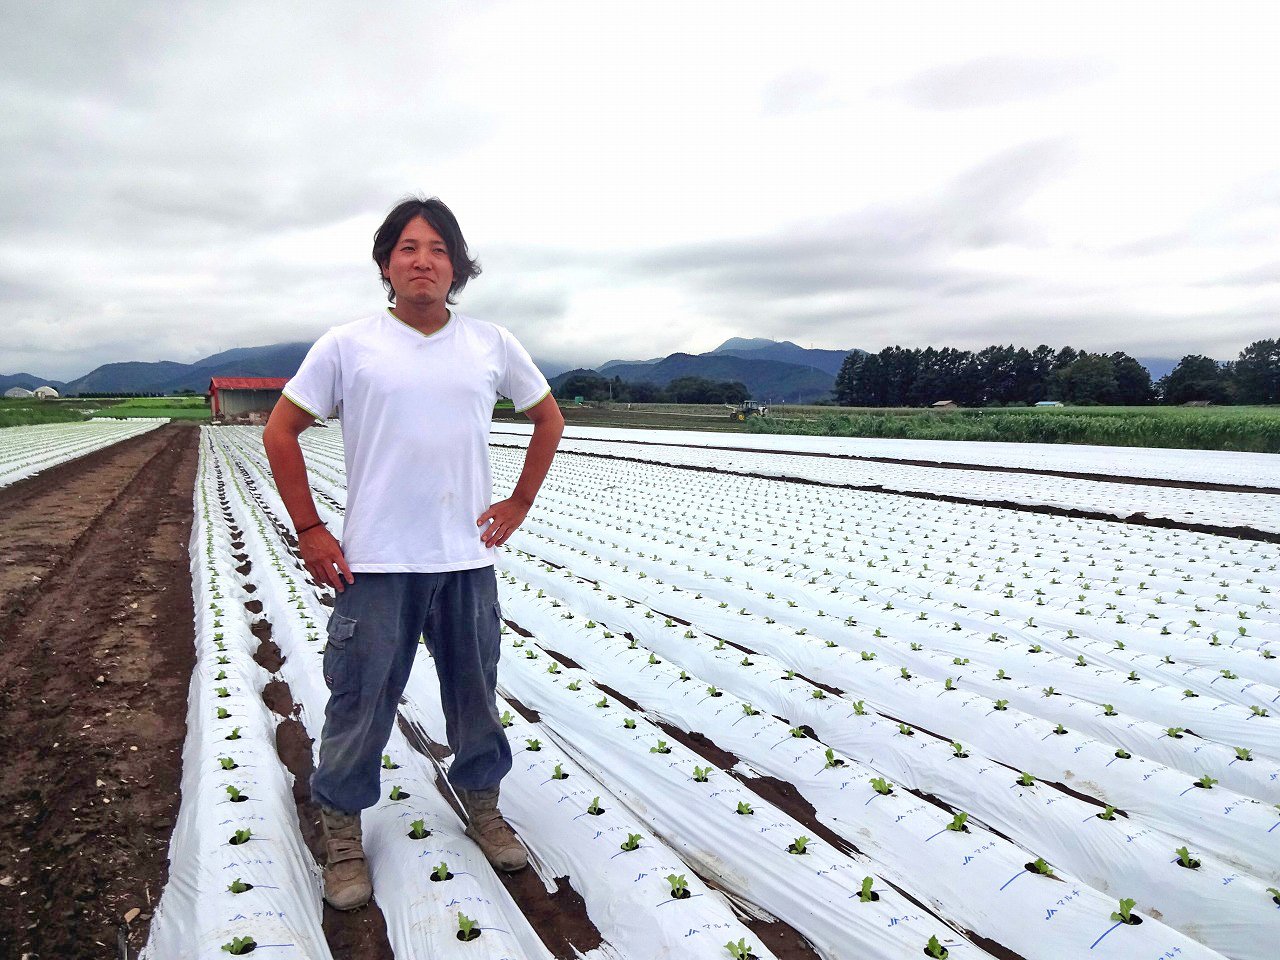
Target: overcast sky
179	179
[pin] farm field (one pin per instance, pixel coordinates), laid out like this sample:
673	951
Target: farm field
842	722
836	722
1242	511
25	451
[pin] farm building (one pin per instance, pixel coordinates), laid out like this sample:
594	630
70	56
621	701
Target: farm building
18	393
243	397
1049	403
945	405
45	393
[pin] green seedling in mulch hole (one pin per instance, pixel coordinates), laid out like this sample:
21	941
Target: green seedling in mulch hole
798	732
553	667
1026	780
685	676
719	644
1108	814
832	759
222	675
818	694
631	843
679	886
917	647
223	713
534	745
905	730
713	692
239	945
859	708
1206	782
398	794
749	710
236	795
559	774
936	950
1133	675
660	748
228	763
418	830
441	872
1258	711
387	763
1190	693
602	702
595	809
467	929
740	950
237	887
233	735
506	718
1059	729
530	655
829	643
629	723
747	662
904	673
881	786
700	773
789	675
958	750
224	660
797	846
1049	692
1186	860
865	893
653	661
1040	866
1123	754
1175	732
1108	710
241	836
1002	705
1275	895
1243	753
221	692
1125	914
957	823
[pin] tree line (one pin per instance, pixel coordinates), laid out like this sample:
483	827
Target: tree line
1004	376
592	386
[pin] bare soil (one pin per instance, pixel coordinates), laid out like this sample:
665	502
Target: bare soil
96	655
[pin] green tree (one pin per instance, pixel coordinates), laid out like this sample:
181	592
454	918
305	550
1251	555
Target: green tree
1196	377
1133	380
1257	372
1089	379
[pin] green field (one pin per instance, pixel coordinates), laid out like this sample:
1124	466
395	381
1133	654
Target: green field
19	412
1254	429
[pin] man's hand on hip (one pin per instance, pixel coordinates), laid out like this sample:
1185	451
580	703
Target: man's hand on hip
322	556
503	519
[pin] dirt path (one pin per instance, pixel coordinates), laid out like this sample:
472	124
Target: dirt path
96	655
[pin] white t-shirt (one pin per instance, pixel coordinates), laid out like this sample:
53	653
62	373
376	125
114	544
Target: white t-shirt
416	411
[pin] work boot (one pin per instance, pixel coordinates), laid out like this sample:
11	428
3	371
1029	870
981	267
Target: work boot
346	874
486	827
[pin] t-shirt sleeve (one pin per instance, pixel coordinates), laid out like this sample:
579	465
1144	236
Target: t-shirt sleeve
521	381
317	386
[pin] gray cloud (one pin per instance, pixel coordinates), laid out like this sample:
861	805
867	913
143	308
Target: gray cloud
989	81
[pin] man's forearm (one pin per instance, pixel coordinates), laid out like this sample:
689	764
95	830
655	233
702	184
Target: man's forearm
289	470
537	461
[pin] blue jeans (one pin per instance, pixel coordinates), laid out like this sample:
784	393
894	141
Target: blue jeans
373	636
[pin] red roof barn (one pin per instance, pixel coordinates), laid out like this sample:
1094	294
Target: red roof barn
240	396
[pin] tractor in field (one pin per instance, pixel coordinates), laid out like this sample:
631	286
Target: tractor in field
747	408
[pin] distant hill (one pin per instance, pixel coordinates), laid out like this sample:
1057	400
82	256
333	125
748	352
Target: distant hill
770	380
1158	366
29	381
758	348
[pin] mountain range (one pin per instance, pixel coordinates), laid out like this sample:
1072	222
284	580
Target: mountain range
774	371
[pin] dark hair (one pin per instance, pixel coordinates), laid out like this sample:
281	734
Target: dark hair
443	222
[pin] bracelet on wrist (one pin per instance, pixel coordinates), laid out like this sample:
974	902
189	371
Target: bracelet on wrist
318	523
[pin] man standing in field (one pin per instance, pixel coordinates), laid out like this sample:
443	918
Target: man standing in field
415	386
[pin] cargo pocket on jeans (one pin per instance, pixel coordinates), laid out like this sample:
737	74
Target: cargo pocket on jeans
339	665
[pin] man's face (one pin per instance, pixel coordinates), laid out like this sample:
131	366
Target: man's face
419	267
